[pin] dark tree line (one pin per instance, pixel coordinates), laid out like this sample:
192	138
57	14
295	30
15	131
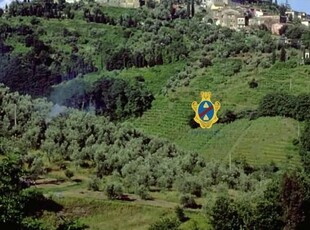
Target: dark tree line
283	104
115	98
124	58
46	8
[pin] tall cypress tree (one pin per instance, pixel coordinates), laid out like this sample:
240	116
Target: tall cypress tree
193	8
283	54
188	8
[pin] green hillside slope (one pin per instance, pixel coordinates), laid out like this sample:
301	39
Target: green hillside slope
169	116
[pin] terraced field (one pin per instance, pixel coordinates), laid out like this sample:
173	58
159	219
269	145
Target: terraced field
260	141
268	139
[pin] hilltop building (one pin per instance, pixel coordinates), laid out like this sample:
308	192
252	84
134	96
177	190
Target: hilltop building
306	23
121	3
215	4
305	59
229	18
277	29
291	15
302	15
126	3
307	54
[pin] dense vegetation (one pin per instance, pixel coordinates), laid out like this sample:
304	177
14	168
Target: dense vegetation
116	121
111	97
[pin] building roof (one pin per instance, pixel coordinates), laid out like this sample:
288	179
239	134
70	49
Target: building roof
214	7
231	11
218	3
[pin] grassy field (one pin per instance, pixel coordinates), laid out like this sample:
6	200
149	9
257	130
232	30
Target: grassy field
117	215
98	214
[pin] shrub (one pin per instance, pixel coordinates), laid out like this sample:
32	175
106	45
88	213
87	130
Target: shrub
190	185
69	173
32	224
253	84
295	141
94	184
228	117
191	122
114	191
71	225
143	192
34	21
166	224
180	214
37	168
205	62
188	201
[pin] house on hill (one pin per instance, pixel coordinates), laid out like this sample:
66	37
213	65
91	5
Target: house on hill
302	16
306	23
121	3
277	28
269	20
306	54
291	15
215	3
305	59
232	18
206	3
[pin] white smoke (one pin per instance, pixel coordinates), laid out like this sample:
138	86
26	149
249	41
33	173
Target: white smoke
56	110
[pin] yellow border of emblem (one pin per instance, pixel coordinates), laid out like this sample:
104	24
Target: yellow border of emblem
206	96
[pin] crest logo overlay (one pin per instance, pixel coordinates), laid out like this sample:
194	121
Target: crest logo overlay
206	111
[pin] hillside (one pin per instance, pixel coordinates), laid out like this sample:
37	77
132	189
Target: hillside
97	127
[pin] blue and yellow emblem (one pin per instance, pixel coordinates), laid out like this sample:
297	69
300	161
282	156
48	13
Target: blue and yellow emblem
206	111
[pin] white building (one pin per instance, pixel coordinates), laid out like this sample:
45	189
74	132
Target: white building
259	13
306	23
121	3
214	4
307	54
206	3
302	15
291	15
241	22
